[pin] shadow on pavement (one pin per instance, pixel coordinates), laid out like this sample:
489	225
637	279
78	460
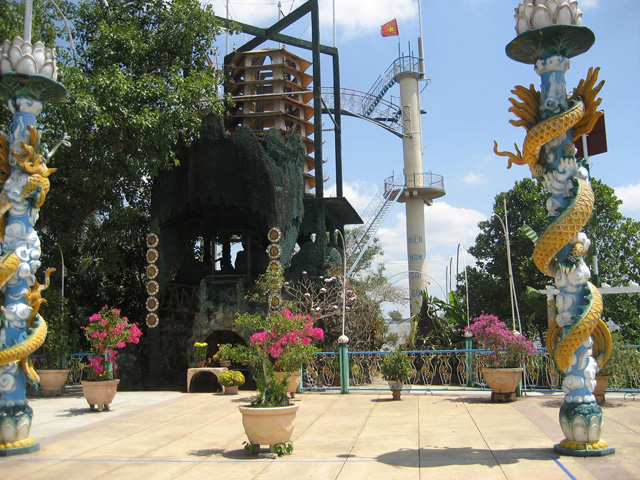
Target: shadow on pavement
440	457
74	412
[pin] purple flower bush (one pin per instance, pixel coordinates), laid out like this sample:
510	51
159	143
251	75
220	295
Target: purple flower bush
107	333
508	349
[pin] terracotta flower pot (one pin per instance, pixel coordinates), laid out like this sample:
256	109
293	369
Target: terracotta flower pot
269	426
396	389
503	383
293	380
51	381
100	394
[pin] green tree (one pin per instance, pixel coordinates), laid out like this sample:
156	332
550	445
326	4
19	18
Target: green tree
617	239
138	85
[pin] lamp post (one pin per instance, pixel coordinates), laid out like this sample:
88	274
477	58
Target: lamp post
343	340
468	342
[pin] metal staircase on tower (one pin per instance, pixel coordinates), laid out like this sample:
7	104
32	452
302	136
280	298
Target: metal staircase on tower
359	239
371	105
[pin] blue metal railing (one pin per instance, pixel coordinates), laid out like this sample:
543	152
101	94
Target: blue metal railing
401	65
445	369
75	363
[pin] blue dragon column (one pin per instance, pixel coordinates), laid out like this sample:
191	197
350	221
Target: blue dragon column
549	34
28	79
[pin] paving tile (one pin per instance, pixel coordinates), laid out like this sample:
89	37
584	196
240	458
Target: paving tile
447	435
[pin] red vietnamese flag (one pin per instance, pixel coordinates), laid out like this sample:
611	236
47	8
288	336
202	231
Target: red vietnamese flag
390	29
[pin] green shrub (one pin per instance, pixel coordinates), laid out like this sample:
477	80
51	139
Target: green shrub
396	366
623	364
231	378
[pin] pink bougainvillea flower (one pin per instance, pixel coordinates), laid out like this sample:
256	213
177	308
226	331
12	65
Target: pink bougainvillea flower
107	332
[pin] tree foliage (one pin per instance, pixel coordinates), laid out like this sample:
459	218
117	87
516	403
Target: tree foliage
616	237
138	84
322	298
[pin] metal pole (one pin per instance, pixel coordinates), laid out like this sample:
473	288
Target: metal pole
343	340
338	117
466	280
317	110
335	38
506	236
227	33
420	42
62	260
513	285
468	345
28	17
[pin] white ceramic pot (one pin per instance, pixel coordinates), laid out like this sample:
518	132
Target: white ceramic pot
100	394
503	382
293	380
51	381
269	426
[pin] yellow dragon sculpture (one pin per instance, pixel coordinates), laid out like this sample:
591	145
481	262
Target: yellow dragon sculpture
31	161
581	116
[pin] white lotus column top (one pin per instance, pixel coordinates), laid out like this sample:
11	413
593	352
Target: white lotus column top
20	56
532	14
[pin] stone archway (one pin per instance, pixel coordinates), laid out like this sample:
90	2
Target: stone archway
204	382
223	336
220	337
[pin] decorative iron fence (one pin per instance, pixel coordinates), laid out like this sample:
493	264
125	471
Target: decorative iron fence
447	369
75	363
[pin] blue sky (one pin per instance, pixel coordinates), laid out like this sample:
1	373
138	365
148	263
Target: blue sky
466	102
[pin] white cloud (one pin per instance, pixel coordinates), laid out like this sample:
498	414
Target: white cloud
259	13
630	196
587	4
448	225
445	227
353	17
359	194
474	179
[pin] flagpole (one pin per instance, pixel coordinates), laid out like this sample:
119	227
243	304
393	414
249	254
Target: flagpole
420	42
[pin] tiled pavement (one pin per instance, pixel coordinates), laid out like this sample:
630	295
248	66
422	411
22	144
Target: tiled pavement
444	435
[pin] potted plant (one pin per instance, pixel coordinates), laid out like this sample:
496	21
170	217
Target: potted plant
52	365
287	339
219	358
396	369
509	352
231	380
108	331
614	371
200	353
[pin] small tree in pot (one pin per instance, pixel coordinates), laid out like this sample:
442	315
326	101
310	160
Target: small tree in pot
396	369
509	351
52	366
284	338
